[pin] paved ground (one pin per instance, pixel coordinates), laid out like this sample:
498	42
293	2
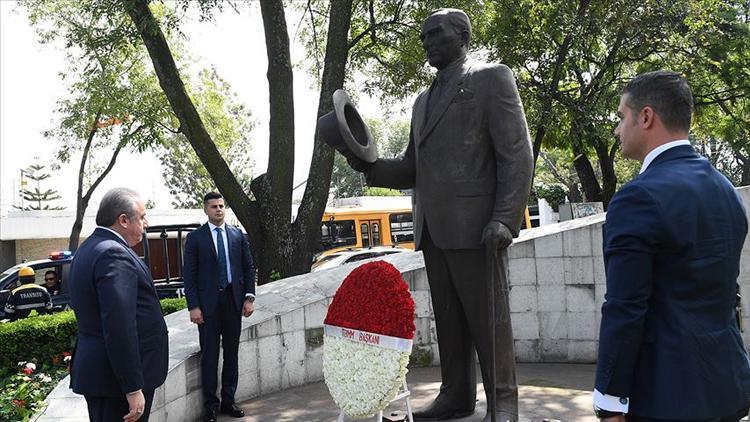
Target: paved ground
552	392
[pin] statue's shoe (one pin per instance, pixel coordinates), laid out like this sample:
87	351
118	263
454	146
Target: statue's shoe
440	410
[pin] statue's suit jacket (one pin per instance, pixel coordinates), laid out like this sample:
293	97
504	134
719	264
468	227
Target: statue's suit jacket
122	337
468	160
668	340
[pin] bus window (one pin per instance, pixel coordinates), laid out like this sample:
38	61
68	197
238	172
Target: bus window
402	228
337	233
364	230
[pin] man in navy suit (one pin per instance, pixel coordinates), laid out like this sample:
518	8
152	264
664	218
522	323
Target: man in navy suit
122	352
220	287
669	347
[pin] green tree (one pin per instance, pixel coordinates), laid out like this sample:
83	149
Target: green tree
38	197
230	125
113	101
571	59
391	140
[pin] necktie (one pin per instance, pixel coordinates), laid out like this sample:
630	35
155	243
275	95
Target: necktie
222	257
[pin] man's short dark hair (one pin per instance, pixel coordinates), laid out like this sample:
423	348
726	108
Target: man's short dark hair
116	202
211	195
667	93
457	18
50	272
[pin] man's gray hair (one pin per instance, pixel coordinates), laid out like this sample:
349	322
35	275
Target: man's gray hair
115	202
458	19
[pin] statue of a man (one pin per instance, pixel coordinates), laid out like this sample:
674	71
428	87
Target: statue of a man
469	162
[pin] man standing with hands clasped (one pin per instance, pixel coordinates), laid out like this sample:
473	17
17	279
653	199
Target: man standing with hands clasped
670	347
220	287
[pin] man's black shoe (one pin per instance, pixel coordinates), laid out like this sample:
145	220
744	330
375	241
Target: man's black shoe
440	410
232	410
209	415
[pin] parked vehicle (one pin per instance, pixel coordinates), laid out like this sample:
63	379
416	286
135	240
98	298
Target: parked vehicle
161	250
353	255
59	262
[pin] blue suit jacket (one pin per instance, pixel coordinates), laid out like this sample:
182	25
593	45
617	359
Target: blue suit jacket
122	338
668	338
201	268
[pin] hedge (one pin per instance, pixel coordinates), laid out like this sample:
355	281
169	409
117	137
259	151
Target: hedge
39	338
36	339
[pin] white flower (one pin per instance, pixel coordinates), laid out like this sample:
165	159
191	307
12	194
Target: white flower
31	365
362	379
27	379
67	358
46	378
21	363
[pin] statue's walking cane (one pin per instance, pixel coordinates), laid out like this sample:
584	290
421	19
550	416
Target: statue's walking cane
497	276
492	268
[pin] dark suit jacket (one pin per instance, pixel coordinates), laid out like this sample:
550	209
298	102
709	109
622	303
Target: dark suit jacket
122	338
668	339
469	161
201	268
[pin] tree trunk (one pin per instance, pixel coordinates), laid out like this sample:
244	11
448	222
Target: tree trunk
75	231
278	246
591	190
606	156
306	228
190	122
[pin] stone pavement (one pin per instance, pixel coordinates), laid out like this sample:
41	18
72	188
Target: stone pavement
554	392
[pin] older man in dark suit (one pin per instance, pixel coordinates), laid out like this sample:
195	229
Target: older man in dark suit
220	288
469	162
122	352
669	346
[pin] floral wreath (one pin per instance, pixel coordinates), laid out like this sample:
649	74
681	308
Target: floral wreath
368	337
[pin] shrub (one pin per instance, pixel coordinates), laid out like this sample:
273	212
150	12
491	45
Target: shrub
36	339
41	337
553	194
172	305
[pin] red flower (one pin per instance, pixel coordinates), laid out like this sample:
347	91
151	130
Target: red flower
28	371
374	298
18	403
66	354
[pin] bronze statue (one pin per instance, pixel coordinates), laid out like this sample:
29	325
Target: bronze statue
469	162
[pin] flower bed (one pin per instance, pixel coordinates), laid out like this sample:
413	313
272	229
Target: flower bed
23	392
33	358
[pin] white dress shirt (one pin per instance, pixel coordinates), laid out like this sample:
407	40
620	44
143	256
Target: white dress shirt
223	228
658	150
116	234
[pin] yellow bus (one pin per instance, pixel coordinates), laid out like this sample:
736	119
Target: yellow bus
364	227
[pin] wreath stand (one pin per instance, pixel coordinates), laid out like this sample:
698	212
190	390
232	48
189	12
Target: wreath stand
404	394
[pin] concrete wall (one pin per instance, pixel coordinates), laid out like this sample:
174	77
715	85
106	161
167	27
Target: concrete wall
557	286
7	254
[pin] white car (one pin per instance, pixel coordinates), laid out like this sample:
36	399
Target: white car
353	255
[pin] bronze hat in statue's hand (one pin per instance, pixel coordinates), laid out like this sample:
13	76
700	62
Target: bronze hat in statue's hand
344	129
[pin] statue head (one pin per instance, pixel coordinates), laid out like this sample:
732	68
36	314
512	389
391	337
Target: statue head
445	36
